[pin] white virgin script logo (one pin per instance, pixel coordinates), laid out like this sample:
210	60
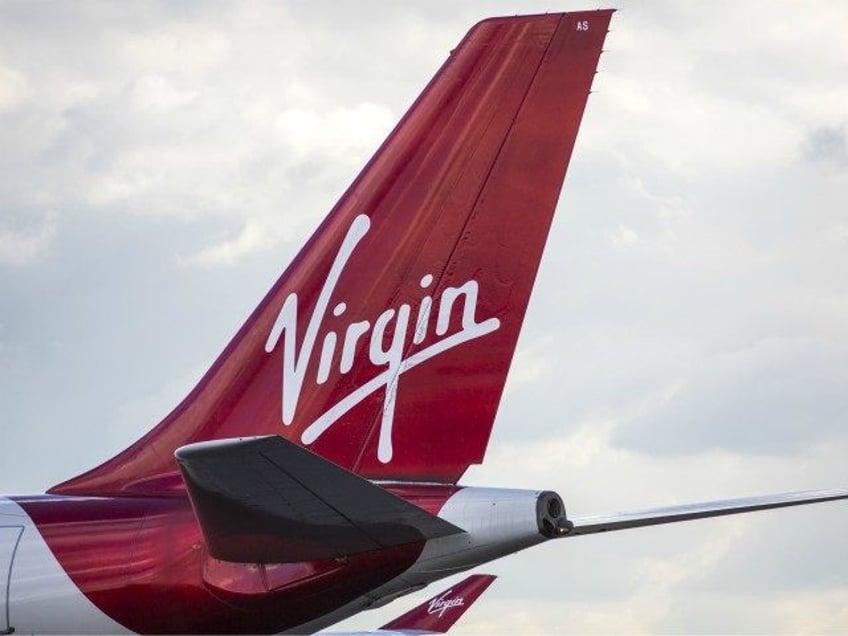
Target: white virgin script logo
296	362
441	604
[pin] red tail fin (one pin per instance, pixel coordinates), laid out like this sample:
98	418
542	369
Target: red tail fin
442	611
384	347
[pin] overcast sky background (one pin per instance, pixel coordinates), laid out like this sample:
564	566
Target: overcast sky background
161	163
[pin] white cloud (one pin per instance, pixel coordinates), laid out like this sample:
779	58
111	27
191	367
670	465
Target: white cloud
182	48
624	237
152	92
813	612
335	134
729	99
253	237
13	88
530	362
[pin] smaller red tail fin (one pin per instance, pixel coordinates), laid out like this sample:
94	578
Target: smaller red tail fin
443	610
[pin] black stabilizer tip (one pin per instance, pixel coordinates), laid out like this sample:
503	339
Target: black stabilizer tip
564	526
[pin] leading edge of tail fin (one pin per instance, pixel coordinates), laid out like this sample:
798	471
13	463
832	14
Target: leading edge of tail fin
385	345
443	610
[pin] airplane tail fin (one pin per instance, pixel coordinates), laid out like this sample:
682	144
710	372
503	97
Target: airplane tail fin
443	610
385	345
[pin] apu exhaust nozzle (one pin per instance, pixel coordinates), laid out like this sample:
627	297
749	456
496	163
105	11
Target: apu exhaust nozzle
550	515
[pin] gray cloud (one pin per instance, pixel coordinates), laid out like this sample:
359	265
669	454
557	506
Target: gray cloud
23	245
827	146
771	397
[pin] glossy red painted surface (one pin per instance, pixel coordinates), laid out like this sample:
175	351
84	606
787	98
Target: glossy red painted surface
141	560
430	497
463	190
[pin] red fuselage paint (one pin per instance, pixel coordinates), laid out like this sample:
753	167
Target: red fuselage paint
142	562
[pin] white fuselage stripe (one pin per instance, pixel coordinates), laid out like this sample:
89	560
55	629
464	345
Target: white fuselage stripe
42	597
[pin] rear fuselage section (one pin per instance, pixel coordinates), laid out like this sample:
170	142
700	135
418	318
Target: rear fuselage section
139	564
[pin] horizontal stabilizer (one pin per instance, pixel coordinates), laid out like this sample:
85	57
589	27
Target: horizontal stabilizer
440	613
656	516
267	500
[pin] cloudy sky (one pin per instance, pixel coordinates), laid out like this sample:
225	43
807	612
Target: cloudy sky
160	163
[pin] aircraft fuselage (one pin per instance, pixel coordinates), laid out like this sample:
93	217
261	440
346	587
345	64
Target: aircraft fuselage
138	563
